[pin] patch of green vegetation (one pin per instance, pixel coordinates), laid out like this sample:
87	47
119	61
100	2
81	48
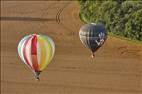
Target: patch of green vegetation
122	18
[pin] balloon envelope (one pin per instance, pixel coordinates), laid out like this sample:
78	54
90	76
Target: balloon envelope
93	36
36	51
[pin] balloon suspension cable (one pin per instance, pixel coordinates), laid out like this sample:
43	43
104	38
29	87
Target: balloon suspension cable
93	55
37	75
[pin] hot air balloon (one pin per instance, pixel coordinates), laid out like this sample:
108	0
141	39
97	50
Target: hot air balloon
93	36
36	51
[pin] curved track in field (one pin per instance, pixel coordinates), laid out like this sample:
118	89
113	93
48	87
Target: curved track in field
117	68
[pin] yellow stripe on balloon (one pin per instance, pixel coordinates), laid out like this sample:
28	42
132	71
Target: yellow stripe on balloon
51	47
50	50
43	52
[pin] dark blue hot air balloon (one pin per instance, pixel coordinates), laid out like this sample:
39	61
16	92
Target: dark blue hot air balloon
93	36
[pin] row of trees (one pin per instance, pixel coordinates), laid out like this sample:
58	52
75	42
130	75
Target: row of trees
121	17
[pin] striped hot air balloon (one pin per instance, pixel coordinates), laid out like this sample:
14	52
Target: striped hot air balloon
36	51
93	36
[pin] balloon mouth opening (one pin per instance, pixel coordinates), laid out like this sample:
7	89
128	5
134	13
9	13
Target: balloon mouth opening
37	73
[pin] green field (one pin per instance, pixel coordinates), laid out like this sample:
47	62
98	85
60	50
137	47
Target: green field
122	18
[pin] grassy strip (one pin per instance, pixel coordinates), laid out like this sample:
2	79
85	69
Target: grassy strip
124	38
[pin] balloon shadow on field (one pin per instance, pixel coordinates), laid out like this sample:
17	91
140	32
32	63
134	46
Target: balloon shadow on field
26	19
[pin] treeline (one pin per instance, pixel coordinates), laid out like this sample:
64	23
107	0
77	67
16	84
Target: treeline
121	17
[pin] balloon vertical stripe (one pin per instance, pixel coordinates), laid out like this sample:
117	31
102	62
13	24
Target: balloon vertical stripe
48	51
34	53
51	44
49	48
43	52
34	45
25	52
38	52
21	47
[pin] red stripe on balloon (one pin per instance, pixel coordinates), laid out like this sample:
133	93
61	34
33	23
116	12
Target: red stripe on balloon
24	53
34	45
34	53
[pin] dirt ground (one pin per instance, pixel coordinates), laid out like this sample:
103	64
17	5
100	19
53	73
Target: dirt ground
116	69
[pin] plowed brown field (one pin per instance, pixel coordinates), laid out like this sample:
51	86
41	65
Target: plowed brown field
116	69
